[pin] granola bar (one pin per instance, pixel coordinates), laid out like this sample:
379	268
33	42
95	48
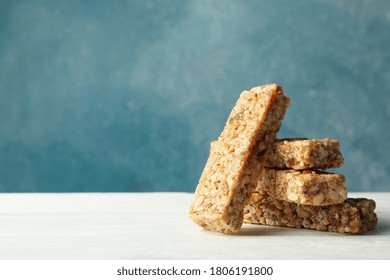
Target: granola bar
309	187
226	182
302	153
354	215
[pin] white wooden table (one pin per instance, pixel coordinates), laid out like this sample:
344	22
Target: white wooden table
155	226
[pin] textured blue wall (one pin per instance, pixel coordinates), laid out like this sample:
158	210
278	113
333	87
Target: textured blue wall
127	95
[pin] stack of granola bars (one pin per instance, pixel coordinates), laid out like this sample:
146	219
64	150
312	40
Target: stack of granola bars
253	177
293	192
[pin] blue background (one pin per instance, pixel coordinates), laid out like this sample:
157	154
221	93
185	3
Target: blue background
127	95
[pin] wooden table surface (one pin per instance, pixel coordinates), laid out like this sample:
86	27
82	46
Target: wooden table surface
155	226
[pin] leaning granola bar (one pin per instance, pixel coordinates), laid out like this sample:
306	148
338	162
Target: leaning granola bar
226	182
309	187
302	153
354	215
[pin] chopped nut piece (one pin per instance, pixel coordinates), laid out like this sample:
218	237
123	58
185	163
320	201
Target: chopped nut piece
226	182
307	187
354	215
302	153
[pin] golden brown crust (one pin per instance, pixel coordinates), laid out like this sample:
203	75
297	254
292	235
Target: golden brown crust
354	215
309	187
302	153
226	182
